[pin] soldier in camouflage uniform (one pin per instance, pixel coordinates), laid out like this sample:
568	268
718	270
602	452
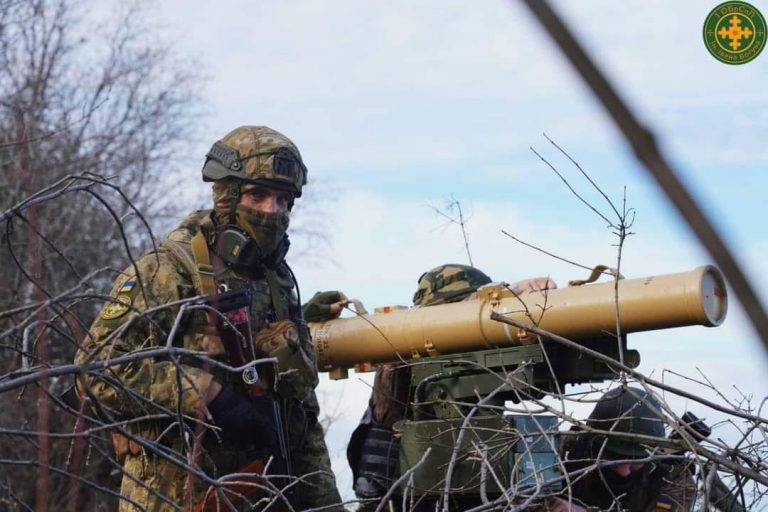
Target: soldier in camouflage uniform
640	486
239	245
372	452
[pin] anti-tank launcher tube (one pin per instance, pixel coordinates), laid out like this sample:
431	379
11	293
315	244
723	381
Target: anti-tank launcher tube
580	313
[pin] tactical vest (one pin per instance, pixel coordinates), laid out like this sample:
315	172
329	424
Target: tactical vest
273	299
272	288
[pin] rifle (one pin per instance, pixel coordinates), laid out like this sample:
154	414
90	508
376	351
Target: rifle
464	366
233	325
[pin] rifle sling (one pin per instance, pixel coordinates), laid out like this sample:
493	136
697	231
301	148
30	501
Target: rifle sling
203	264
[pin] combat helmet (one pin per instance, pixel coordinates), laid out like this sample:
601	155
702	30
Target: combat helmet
448	283
259	155
628	410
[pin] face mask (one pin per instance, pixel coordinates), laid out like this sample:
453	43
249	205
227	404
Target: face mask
266	229
619	484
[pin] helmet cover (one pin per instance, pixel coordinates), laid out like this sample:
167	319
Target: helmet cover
448	283
259	155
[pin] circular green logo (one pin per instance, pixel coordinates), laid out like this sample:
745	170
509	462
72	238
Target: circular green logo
734	32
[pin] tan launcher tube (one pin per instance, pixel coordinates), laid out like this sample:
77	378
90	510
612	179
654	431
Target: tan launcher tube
696	297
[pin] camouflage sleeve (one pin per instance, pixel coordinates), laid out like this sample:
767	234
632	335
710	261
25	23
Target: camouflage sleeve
678	491
312	459
123	327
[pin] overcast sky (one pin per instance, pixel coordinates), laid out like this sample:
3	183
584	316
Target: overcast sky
400	105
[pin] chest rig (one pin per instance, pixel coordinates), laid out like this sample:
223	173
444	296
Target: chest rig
271	299
271	291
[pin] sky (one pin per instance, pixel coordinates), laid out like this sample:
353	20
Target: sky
400	107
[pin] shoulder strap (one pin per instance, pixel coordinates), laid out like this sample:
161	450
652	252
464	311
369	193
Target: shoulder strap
181	251
207	285
184	255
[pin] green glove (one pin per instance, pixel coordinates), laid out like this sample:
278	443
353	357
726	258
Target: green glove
297	369
318	309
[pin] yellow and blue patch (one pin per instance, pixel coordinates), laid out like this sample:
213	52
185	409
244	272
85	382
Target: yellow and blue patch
664	504
127	286
122	302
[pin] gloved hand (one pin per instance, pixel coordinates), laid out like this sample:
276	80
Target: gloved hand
297	370
245	421
324	306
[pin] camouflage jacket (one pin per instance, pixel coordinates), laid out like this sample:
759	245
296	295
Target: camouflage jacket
141	315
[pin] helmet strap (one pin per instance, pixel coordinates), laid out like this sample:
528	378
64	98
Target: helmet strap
234	198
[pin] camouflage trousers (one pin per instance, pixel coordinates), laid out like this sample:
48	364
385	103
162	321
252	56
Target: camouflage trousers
154	484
